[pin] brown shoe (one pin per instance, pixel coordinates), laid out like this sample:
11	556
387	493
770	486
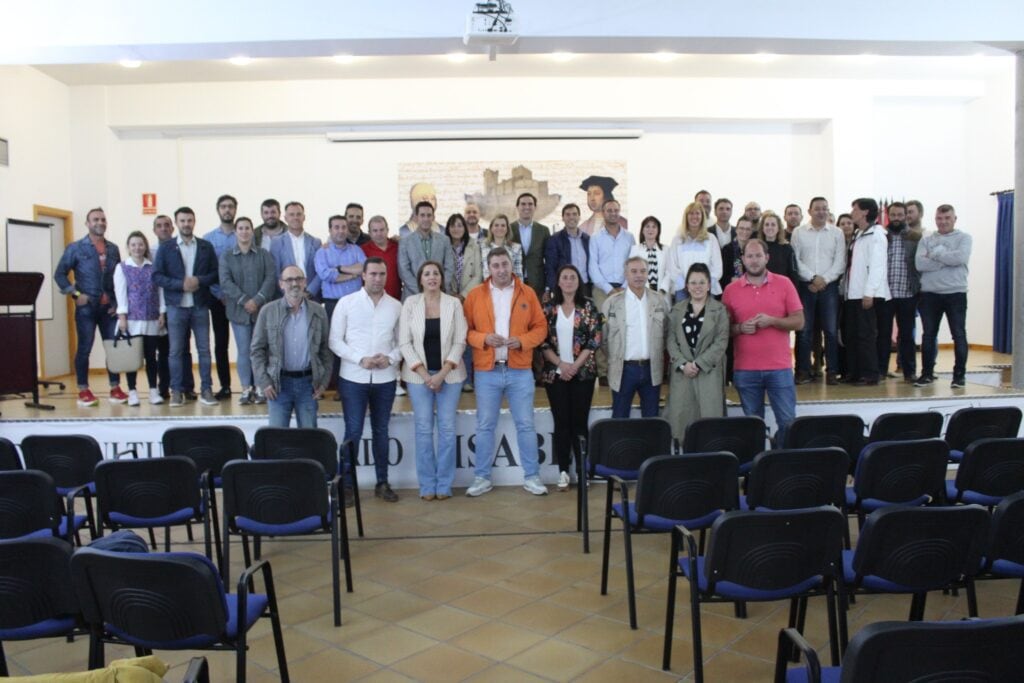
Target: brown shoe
802	378
384	492
428	497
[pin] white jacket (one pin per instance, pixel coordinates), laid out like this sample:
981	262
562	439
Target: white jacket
681	255
869	265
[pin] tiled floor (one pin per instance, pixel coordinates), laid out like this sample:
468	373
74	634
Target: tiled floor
497	589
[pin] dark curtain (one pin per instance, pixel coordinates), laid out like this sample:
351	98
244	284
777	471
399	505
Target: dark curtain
1002	315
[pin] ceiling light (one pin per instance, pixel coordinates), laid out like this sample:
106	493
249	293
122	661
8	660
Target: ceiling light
344	59
240	61
562	56
764	57
664	56
130	63
457	57
863	59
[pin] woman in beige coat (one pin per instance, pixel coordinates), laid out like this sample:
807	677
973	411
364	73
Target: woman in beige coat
468	274
432	338
697	337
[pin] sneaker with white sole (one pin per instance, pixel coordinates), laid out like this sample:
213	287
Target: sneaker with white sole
533	485
155	398
87	399
563	481
479	487
207	399
117	396
177	399
400	391
133	397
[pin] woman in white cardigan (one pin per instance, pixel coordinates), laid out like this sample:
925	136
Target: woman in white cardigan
692	245
649	247
432	338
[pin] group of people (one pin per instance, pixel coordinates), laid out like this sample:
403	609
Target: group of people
453	308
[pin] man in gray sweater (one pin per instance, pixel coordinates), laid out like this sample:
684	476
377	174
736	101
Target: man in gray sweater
942	260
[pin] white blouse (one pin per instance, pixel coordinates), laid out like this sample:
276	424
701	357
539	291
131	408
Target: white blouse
149	328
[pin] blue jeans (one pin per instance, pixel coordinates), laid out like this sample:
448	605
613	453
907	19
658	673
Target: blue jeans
243	361
636	379
87	319
821	309
490	386
435	469
179	321
932	307
752	385
379	398
295	394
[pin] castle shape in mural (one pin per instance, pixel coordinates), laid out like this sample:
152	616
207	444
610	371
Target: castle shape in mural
499	196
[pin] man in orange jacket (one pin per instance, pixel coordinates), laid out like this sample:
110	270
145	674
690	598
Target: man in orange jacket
506	323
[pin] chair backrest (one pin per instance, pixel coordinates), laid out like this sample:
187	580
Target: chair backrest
1006	536
279	443
967	425
35	582
624	444
275	491
70	460
208	447
799	478
824	431
974	651
168	600
925	424
682	487
28	503
902	471
774	550
9	459
151	487
743	436
922	548
993	467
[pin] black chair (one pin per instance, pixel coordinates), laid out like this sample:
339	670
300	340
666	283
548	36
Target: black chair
671	490
969	651
31	508
912	426
990	470
743	436
283	498
898	473
967	425
320	445
36	598
914	550
799	478
759	557
9	458
1004	553
70	460
170	601
617	447
824	431
153	492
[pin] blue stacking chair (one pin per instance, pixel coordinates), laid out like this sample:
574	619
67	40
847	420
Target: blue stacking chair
967	425
30	507
743	435
9	458
989	470
71	461
898	473
1004	552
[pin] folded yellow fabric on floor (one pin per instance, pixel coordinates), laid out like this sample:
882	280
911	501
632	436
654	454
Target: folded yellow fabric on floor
136	670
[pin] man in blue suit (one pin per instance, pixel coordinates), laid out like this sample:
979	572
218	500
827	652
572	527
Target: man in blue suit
186	268
568	246
296	247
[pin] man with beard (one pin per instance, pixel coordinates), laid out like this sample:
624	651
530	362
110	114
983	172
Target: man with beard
904	284
703	197
270	212
473	228
354	222
763	309
793	215
163	228
915	211
752	211
223	240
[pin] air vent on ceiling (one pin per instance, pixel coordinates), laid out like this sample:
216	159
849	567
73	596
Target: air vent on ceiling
5	159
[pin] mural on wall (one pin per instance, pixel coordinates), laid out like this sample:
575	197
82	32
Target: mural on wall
494	186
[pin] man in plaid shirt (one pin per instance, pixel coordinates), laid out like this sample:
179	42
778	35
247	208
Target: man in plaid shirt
904	284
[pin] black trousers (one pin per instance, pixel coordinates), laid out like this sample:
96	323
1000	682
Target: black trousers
861	341
149	347
570	410
221	338
329	305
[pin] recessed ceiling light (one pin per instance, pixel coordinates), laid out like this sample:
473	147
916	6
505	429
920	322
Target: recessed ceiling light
764	57
665	56
863	59
562	56
457	57
130	63
344	59
240	61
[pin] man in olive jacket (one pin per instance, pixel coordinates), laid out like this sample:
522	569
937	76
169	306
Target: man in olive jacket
291	358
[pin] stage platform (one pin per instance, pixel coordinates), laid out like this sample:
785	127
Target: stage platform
119	427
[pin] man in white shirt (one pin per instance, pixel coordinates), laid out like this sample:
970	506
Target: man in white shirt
634	338
820	250
364	334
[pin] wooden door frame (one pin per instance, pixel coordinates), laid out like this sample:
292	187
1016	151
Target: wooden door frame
40	211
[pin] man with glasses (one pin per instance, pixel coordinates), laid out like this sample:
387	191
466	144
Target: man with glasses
291	358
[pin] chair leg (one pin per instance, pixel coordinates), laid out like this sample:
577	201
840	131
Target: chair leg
670	613
335	578
698	646
96	655
917	607
740	609
3	662
833	630
275	624
627	542
607	539
355	491
794	622
152	539
840	609
167	539
257	547
972	598
1020	599
583	500
188	531
215	518
90	516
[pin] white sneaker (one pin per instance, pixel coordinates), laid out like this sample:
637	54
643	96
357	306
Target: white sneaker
533	485
155	398
563	481
400	391
133	397
480	487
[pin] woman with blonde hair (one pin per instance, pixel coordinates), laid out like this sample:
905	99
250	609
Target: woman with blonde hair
692	245
499	235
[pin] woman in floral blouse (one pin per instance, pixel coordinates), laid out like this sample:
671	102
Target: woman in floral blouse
574	335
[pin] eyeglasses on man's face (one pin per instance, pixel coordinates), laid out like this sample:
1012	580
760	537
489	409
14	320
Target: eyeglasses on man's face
293	280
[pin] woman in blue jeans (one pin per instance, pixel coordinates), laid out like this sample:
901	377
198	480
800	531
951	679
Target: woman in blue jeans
432	338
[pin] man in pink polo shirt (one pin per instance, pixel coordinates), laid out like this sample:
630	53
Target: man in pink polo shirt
763	309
